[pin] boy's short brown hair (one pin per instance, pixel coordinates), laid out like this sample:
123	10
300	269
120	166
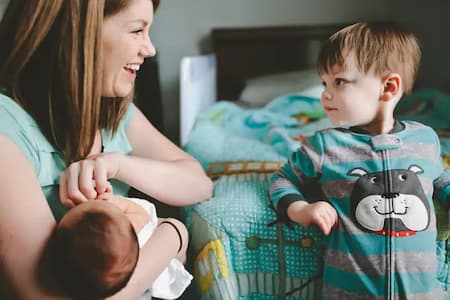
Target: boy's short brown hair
379	47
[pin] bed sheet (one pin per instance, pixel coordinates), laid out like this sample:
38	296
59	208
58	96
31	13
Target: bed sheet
239	251
236	254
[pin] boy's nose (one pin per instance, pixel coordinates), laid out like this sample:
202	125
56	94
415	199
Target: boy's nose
326	95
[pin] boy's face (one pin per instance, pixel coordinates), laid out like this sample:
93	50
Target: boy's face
350	97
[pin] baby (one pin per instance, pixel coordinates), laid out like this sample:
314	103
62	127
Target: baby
96	248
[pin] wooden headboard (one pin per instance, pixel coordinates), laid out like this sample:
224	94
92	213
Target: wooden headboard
243	53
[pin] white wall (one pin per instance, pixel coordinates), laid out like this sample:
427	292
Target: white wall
181	28
430	21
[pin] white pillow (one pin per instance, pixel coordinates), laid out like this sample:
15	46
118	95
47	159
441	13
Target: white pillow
259	91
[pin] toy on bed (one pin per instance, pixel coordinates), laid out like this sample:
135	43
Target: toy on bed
238	250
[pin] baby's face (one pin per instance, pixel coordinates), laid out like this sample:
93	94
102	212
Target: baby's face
350	97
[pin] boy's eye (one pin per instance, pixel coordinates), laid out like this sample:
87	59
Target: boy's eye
339	81
324	83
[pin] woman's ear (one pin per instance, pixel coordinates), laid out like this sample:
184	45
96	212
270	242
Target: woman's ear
392	86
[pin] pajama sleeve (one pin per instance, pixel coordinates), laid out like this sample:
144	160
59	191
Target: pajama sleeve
297	178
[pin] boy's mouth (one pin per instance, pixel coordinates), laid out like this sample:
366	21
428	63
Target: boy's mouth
327	108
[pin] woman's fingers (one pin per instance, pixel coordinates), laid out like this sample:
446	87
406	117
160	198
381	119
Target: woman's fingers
85	180
100	177
73	188
76	184
63	191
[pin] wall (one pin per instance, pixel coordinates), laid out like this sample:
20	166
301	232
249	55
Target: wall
2	7
181	28
430	21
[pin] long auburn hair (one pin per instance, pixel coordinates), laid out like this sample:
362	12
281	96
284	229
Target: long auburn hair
50	64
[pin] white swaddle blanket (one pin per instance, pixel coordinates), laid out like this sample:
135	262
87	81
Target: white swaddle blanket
172	282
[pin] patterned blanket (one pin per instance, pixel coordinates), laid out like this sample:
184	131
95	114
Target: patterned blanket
238	251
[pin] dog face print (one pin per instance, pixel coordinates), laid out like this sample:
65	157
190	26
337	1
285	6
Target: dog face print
391	202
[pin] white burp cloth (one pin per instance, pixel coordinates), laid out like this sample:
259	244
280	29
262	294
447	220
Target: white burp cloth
172	282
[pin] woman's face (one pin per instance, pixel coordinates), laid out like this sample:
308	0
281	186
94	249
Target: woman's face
126	42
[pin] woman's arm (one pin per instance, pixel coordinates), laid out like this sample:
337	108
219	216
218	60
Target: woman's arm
165	243
156	167
160	168
27	224
25	227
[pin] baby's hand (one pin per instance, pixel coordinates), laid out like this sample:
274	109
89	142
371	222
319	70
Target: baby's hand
320	213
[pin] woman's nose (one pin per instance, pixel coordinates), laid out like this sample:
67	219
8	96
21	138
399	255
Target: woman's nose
147	49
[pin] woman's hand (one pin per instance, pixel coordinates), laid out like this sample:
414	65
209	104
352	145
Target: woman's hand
86	179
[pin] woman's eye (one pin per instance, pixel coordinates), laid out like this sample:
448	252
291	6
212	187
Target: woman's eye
324	83
137	31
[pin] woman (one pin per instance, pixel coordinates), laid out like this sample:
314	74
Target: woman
67	71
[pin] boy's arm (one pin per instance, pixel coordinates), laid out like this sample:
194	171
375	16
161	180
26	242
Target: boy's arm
135	212
298	177
298	180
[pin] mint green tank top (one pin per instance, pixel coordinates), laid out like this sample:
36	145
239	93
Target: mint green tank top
48	162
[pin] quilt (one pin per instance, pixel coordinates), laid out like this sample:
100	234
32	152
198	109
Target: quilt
238	249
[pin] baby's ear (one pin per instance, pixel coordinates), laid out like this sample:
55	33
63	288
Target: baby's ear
392	86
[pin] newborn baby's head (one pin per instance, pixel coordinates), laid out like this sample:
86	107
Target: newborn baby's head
95	250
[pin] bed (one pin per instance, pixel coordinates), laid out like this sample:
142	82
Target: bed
269	102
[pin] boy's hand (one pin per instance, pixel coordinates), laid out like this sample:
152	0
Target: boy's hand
320	213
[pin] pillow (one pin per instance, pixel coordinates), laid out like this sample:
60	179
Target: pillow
259	91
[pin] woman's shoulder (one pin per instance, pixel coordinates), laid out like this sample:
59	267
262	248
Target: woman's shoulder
21	128
12	114
16	123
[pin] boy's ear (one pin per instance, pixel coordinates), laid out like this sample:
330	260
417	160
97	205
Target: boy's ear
391	86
